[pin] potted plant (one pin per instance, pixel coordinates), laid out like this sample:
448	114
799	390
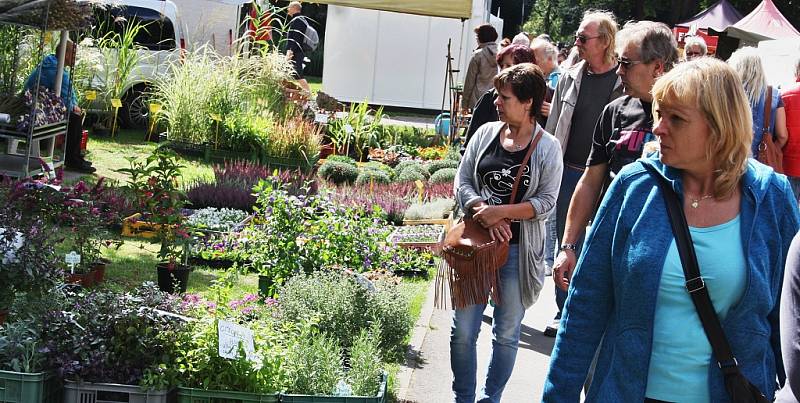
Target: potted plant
154	181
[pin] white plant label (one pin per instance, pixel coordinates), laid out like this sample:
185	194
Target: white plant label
349	129
321	118
72	259
230	335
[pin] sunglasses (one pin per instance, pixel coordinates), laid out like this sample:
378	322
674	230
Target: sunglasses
627	63
692	54
583	38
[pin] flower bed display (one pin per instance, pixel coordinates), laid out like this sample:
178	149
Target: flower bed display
418	236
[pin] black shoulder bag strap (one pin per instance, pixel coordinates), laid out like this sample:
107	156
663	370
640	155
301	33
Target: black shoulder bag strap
739	388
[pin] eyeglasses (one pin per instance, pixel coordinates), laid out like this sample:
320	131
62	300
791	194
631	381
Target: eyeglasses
693	54
583	38
627	63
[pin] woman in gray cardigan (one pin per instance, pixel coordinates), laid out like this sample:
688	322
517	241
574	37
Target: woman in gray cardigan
483	189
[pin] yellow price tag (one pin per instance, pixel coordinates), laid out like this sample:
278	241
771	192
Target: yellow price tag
91	95
155	108
215	117
420	188
116	102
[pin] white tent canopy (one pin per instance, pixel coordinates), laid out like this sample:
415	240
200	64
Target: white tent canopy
439	8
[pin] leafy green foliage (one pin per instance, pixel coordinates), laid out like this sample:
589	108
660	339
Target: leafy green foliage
444	175
338	172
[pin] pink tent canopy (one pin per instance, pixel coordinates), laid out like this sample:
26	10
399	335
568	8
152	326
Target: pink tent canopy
719	16
765	22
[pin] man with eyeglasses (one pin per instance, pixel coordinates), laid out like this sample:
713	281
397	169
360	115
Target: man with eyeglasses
646	50
582	92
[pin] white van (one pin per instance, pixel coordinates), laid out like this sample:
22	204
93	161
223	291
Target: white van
162	42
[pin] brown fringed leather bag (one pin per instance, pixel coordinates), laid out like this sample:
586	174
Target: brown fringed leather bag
768	152
471	260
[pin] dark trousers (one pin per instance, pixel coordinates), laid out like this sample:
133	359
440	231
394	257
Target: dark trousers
72	152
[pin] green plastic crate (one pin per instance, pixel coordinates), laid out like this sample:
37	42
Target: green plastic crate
190	395
19	387
87	392
381	398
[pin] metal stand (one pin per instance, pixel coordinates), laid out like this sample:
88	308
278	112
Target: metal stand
40	143
454	91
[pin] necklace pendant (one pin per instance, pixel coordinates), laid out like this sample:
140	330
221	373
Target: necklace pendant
695	203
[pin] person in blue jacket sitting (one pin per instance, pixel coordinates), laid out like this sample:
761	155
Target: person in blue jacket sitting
628	295
49	68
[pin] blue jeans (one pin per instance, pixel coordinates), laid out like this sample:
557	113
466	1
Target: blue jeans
569	180
506	323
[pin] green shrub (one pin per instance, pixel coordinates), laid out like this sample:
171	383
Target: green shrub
375	165
411	175
344	308
365	362
444	175
405	164
341	158
434	166
372	175
338	172
313	364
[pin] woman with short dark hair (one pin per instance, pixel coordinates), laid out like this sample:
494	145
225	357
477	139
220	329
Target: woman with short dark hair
483	190
482	66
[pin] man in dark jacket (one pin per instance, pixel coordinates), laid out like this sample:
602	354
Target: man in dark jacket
294	47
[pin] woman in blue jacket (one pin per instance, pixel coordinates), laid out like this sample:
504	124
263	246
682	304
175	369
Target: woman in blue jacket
628	296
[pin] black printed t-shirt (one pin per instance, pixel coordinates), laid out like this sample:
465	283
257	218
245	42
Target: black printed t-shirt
619	136
497	171
593	96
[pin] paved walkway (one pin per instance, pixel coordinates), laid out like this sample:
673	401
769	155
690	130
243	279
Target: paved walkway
428	378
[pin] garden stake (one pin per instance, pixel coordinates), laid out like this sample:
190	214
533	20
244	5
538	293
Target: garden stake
116	103
154	109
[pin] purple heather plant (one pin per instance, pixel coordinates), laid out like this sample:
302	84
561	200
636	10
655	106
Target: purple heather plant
234	181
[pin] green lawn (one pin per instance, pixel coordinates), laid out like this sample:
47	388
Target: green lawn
315	83
109	154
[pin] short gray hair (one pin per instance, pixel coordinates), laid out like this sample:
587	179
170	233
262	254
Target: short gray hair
696	40
654	40
550	51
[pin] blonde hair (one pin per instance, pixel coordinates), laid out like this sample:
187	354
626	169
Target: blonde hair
606	28
713	87
747	65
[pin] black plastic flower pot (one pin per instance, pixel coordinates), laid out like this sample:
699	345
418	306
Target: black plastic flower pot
173	280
